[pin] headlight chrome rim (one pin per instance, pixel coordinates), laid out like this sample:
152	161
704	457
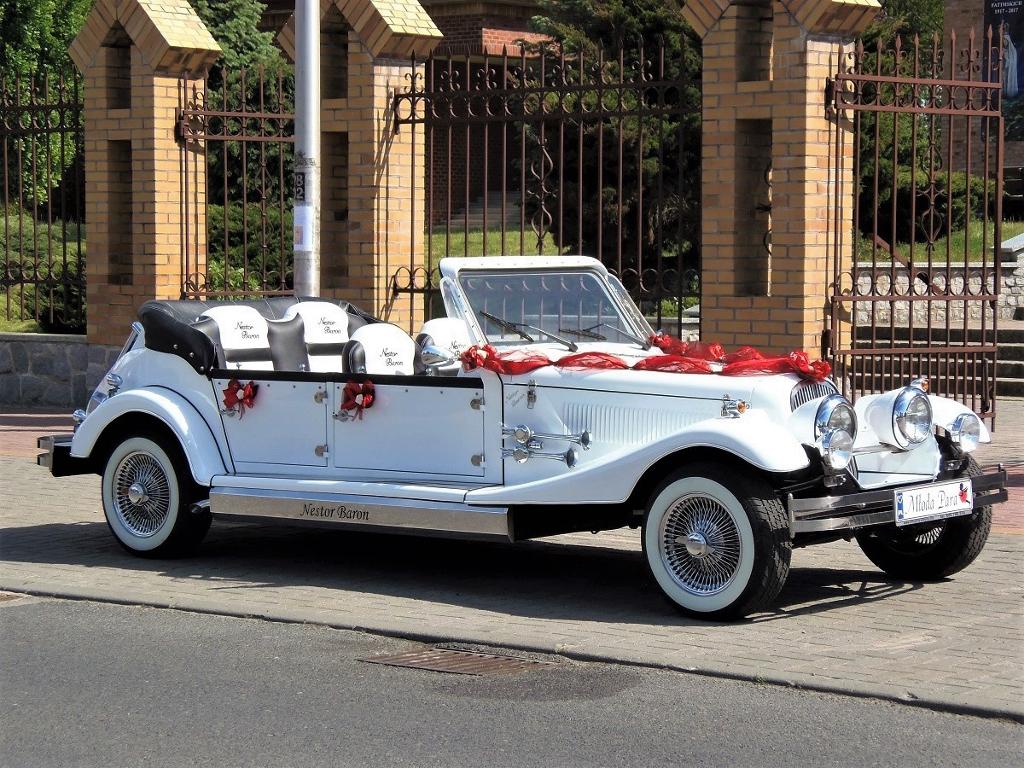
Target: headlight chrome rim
966	431
827	410
836	449
901	412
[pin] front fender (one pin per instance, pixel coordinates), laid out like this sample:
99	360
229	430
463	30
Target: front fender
608	479
945	411
193	433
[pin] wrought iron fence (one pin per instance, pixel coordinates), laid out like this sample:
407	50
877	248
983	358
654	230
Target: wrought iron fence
547	152
915	272
236	133
43	202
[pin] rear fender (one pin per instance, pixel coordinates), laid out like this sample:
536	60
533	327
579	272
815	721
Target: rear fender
189	427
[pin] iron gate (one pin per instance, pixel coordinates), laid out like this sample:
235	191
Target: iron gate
914	268
41	228
545	152
236	134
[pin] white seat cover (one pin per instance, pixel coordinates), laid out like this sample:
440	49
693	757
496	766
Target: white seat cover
449	333
325	331
243	337
387	349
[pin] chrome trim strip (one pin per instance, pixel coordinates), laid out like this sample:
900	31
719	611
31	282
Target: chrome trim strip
359	512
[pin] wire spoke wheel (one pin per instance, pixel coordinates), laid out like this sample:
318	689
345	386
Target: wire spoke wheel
141	494
701	544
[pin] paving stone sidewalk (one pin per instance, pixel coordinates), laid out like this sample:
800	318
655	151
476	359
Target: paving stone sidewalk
839	625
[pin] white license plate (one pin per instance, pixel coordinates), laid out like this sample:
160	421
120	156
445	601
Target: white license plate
933	502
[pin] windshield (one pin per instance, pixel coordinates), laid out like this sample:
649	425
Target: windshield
519	307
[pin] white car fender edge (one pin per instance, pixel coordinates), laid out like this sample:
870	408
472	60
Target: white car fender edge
751	438
194	434
945	411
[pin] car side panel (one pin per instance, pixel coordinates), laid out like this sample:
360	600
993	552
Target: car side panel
611	476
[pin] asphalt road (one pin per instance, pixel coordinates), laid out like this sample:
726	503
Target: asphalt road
89	684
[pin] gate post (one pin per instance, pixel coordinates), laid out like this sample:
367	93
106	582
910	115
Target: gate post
133	55
769	166
372	179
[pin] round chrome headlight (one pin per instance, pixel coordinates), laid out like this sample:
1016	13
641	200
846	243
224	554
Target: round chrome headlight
912	417
836	448
966	431
835	413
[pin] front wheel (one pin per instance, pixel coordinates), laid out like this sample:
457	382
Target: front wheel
717	543
930	551
147	497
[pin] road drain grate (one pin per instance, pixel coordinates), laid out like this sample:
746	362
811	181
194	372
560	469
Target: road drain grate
459	662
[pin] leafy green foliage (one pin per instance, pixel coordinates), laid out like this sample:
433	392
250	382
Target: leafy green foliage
259	247
35	35
657	213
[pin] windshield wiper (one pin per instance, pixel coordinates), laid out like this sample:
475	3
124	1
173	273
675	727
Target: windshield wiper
583	333
516	328
642	342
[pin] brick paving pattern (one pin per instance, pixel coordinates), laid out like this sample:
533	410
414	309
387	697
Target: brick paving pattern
839	624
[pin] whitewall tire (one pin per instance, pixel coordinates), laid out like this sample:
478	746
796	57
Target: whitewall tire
147	494
717	543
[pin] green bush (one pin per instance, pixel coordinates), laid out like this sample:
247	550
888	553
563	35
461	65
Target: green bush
258	249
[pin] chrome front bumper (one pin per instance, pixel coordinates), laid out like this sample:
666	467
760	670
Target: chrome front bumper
859	510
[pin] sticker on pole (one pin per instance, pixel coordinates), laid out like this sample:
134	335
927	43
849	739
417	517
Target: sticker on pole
933	502
303	227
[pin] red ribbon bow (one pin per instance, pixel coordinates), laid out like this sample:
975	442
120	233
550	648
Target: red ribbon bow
357	396
238	397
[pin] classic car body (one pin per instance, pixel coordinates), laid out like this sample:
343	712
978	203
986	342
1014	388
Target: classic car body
313	411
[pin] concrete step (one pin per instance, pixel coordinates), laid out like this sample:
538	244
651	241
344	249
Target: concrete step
1010	387
1006	334
1010	369
1011	352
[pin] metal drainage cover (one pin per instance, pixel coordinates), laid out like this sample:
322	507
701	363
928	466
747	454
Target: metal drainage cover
459	662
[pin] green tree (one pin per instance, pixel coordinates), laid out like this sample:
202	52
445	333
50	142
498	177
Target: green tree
661	153
35	35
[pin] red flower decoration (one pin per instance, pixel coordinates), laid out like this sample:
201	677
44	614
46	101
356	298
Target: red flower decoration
357	396
238	397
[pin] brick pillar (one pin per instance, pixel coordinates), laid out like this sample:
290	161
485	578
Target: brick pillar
765	69
372	185
133	55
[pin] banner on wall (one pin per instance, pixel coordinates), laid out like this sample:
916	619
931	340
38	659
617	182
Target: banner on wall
1011	14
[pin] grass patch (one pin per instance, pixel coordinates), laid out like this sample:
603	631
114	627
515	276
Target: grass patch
978	243
462	243
16	326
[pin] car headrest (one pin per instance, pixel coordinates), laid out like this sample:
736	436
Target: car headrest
449	333
287	350
381	348
326	329
243	336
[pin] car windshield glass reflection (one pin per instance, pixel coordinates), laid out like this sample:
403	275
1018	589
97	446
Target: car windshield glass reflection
562	304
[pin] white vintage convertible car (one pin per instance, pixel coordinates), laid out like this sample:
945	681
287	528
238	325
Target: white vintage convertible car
543	403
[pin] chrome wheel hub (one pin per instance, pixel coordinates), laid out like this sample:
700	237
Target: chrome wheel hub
700	544
137	494
142	496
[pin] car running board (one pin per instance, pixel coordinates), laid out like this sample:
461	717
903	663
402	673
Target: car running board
412	516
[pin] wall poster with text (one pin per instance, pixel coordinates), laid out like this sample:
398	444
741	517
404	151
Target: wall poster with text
1009	15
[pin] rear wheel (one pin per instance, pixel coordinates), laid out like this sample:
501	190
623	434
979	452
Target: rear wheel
931	550
148	494
716	543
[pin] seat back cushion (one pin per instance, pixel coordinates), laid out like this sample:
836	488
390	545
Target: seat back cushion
380	348
326	329
287	349
449	333
243	337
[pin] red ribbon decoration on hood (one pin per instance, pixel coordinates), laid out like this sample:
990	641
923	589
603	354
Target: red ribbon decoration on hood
357	396
238	397
795	362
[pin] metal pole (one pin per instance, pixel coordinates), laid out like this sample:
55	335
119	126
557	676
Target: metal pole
307	148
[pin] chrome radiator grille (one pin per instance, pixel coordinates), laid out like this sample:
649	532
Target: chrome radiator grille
806	391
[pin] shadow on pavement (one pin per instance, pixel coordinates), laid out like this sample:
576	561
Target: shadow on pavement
540	580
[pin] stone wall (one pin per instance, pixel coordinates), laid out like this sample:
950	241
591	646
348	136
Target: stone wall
50	370
1011	293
